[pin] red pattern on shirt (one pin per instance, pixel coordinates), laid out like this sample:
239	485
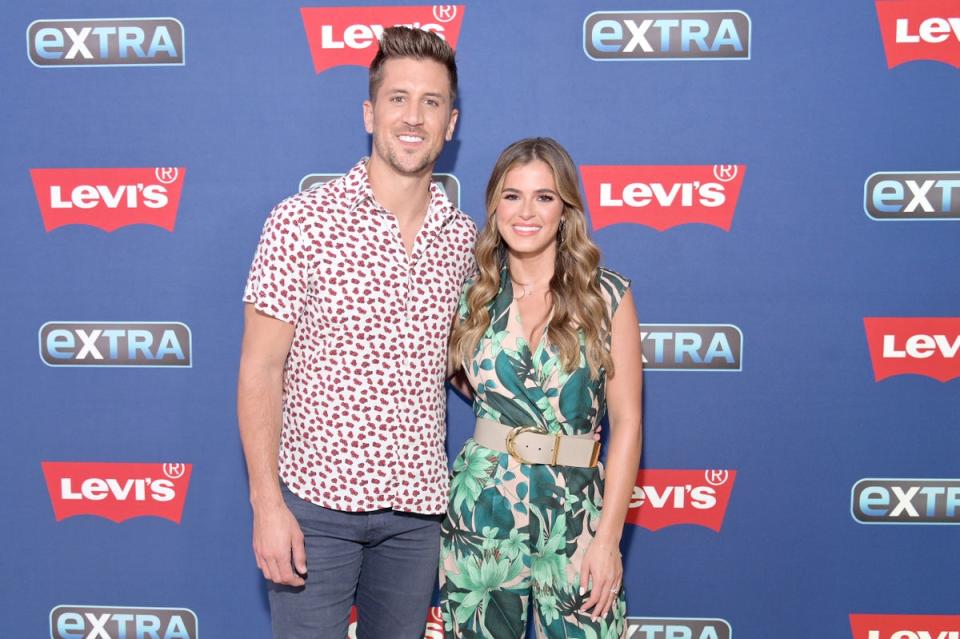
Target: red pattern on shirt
363	393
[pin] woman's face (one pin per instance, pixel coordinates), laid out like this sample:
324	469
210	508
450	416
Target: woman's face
529	211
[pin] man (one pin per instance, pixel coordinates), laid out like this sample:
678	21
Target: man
349	304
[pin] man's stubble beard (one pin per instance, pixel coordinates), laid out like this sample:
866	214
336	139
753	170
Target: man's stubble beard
388	154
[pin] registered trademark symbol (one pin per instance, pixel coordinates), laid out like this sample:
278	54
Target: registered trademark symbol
444	12
716	477
174	471
725	172
166	174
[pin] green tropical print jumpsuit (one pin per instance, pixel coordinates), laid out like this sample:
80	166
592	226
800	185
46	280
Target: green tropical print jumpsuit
515	531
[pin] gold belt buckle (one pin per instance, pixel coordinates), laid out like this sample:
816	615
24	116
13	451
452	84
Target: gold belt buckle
514	433
595	457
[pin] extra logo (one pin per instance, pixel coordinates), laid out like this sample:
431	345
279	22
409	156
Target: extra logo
692	347
905	626
667	35
341	36
433	629
920	30
906	501
108	198
117	491
113	622
671	628
448	182
663	197
927	346
664	498
919	195
164	344
106	42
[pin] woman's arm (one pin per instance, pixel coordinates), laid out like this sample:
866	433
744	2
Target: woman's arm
624	391
456	376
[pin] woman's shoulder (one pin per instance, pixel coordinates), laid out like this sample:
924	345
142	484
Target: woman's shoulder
613	286
609	278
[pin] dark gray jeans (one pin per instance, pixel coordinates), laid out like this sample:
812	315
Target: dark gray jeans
385	560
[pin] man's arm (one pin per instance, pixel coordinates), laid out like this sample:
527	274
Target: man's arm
277	539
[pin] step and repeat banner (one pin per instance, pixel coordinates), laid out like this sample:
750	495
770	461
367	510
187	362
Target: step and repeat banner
780	181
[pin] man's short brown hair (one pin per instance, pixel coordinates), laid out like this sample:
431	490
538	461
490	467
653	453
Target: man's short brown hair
405	42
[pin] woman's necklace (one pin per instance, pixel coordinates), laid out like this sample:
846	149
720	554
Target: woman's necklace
526	289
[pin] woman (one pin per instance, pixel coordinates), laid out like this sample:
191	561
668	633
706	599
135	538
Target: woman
548	342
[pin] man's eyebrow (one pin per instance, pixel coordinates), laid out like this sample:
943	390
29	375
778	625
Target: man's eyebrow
430	94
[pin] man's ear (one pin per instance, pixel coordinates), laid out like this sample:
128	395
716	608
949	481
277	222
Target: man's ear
368	116
454	114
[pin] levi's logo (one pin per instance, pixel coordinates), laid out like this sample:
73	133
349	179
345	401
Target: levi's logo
662	197
348	35
108	198
117	491
914	345
920	30
905	626
433	628
664	498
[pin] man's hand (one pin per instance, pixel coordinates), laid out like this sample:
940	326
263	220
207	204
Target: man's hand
278	545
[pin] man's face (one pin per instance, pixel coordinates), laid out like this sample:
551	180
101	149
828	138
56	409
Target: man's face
411	115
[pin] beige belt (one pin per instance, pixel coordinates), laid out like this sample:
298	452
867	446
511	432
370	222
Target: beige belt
535	445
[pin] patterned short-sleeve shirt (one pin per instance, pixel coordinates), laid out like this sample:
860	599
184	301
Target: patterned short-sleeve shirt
364	403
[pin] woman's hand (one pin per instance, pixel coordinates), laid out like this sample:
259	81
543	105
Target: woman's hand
602	573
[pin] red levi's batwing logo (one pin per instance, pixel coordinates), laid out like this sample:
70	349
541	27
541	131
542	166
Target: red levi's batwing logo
108	198
662	197
433	628
117	491
905	626
920	30
914	345
664	498
348	35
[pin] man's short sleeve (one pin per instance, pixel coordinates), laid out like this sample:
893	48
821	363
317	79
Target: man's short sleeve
278	280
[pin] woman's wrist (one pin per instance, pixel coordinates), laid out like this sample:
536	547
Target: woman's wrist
607	540
607	536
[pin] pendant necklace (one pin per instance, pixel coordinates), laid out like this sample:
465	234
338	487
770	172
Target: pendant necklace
526	289
523	287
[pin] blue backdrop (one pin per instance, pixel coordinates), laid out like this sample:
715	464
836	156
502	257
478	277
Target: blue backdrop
811	115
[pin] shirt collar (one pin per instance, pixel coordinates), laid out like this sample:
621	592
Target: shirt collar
440	208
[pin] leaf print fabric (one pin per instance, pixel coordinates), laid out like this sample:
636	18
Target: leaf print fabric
516	533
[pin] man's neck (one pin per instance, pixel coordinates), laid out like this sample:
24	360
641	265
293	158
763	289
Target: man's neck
406	196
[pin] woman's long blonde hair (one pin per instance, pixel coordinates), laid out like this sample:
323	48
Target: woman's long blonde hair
574	288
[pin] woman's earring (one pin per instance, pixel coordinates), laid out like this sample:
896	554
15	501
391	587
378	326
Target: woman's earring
562	231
